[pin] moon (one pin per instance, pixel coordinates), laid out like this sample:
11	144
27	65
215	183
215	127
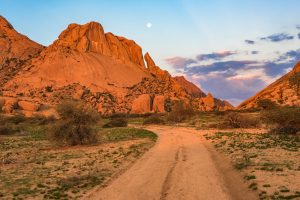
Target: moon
149	25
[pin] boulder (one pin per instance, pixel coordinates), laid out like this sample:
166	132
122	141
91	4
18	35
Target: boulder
10	104
28	106
159	104
141	104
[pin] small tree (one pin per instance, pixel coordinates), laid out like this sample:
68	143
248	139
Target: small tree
75	124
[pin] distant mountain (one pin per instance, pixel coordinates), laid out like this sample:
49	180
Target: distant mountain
104	70
284	91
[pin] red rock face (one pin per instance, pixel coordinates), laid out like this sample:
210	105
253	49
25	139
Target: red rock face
190	88
15	50
106	71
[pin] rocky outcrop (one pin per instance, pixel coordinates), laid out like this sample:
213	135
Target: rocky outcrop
104	70
158	104
189	87
282	92
16	50
142	104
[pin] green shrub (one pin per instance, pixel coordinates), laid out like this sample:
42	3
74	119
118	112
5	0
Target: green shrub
116	122
180	112
154	119
266	104
238	120
75	124
284	120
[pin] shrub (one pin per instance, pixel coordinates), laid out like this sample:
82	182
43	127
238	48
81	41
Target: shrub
75	124
294	81
266	104
154	119
180	112
284	120
238	120
6	127
116	122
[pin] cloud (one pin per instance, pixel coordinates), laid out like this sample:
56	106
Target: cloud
234	90
250	41
179	62
215	55
254	52
298	35
298	26
278	37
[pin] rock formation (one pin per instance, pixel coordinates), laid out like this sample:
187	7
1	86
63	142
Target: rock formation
283	92
106	71
16	50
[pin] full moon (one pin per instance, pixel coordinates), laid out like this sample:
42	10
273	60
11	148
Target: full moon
149	25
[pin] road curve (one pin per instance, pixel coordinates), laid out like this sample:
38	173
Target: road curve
178	167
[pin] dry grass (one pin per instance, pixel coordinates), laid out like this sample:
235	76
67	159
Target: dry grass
35	168
270	162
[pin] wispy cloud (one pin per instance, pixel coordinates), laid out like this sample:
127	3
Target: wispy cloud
250	41
278	37
179	62
236	79
215	55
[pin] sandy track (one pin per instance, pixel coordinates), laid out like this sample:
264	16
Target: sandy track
179	166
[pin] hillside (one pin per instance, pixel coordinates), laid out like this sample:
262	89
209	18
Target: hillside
106	71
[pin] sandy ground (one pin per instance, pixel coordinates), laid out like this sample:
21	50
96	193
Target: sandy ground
180	166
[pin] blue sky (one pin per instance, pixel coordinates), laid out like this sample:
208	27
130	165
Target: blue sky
228	47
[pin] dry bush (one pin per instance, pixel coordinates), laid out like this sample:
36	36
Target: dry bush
154	119
116	122
284	120
266	104
75	124
238	120
180	112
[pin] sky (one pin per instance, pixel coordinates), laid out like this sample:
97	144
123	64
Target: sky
230	48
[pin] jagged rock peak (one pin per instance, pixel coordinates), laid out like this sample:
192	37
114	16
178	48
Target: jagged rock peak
91	37
149	60
4	23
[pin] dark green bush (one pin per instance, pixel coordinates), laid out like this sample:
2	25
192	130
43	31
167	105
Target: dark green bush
116	122
154	119
75	124
180	112
284	120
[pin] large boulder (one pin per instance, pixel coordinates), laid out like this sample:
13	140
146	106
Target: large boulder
159	104
28	106
141	104
9	104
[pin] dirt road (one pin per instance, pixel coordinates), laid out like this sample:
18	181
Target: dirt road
179	166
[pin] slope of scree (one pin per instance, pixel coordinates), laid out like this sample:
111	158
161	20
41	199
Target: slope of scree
106	71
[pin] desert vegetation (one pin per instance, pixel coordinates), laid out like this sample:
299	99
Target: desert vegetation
39	159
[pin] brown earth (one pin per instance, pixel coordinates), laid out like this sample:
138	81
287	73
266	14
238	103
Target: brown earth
179	166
